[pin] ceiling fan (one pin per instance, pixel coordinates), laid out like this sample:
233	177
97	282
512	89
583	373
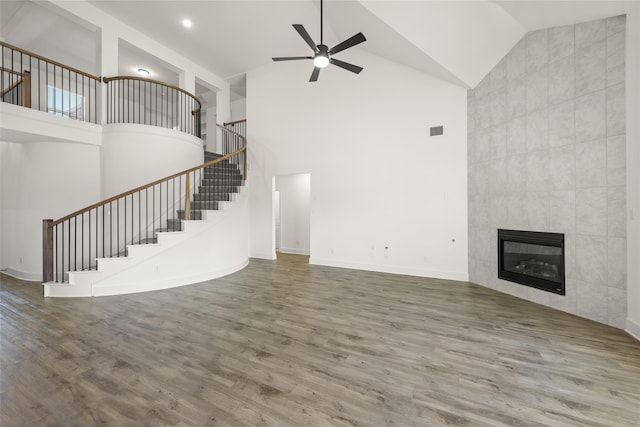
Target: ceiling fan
322	54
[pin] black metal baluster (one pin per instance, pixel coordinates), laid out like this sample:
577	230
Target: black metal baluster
146	213
118	227
2	73
89	259
69	246
56	255
173	200
103	235
97	236
121	97
153	211
82	243
110	229
132	221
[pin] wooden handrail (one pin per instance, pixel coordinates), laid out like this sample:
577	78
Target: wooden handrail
151	184
234	122
25	81
50	61
7	70
13	86
143	79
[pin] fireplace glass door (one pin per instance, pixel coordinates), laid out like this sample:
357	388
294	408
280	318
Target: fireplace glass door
532	258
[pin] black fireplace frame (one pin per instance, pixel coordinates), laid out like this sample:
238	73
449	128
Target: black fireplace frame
535	238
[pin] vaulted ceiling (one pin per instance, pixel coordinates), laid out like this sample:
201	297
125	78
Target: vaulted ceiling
458	41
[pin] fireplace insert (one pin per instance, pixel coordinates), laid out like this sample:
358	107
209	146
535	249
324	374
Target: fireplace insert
532	258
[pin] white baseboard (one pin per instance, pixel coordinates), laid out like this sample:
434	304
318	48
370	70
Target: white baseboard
263	256
22	275
633	328
392	269
294	251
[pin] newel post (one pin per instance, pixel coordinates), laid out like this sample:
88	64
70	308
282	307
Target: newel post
26	89
47	250
187	198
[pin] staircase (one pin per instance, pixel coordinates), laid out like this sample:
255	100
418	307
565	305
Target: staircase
220	181
148	265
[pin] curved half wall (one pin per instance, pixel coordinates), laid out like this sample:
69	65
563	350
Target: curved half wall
134	155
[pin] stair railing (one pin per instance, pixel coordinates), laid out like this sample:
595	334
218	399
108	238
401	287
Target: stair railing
230	144
150	102
40	83
104	229
19	90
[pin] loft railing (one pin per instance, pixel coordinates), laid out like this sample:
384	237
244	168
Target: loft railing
103	230
230	144
40	83
151	102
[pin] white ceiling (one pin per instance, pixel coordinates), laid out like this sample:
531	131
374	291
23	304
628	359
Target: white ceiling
457	41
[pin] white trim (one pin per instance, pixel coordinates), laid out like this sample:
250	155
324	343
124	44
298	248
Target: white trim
264	256
20	124
22	275
393	269
294	251
633	328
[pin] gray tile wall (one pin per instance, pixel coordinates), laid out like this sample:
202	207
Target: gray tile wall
547	153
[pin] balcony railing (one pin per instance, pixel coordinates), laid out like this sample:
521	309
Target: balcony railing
30	80
33	81
150	102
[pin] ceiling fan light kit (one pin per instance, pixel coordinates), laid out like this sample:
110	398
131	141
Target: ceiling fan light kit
322	54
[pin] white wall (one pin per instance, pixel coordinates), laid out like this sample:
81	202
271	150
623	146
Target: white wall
295	191
41	180
239	109
134	155
379	180
633	170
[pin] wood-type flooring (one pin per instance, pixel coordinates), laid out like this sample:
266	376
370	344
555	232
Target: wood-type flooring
283	343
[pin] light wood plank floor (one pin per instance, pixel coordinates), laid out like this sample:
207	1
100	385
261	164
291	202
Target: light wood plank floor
288	344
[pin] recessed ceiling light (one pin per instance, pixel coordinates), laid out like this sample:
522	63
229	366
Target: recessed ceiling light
143	72
187	23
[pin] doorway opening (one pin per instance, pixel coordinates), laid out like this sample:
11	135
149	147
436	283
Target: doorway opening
293	217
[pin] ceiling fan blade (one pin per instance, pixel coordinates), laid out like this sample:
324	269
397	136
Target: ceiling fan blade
352	41
346	65
315	74
291	58
303	33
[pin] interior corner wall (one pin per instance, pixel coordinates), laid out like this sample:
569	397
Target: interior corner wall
633	170
41	180
547	153
385	196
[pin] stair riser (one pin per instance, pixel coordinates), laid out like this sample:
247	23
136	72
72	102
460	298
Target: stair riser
211	197
222	166
222	180
221	175
195	215
218	189
205	206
